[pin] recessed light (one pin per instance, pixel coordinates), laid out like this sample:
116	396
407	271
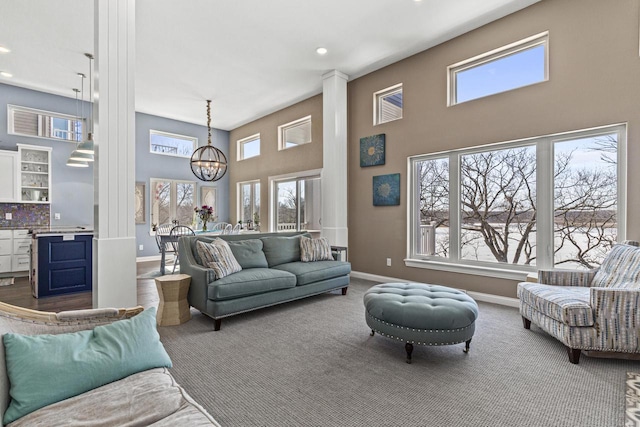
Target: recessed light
5	74
322	51
4	49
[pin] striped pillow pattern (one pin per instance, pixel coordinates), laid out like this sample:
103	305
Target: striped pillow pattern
217	255
315	249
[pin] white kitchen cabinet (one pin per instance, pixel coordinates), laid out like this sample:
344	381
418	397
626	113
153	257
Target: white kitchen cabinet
6	250
35	173
9	176
21	251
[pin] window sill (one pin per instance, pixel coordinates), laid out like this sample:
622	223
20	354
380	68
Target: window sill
500	273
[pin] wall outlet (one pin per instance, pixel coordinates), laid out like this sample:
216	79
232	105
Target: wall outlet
388	262
8	215
141	247
56	215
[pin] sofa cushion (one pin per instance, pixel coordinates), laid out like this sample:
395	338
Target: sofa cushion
44	369
311	272
217	255
315	249
566	304
620	267
150	397
280	250
250	282
249	253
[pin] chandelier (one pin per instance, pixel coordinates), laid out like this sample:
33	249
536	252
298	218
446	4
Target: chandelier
207	162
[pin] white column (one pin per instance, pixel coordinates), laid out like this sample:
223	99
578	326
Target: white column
114	242
334	158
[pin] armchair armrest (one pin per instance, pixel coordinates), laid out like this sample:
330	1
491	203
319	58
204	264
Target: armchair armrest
617	311
566	277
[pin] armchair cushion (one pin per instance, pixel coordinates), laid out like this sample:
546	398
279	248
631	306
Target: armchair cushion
620	268
566	304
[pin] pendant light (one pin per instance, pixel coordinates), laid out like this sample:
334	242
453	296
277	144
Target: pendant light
76	163
77	154
207	162
86	147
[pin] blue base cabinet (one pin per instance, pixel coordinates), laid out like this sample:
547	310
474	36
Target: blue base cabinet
63	263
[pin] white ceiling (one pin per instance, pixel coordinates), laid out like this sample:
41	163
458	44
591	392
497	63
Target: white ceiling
251	57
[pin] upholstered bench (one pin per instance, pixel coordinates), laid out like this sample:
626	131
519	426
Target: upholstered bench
416	313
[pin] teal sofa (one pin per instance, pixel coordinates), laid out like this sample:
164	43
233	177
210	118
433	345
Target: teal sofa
272	273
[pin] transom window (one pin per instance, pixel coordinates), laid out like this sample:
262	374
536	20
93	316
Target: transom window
172	201
171	144
44	124
513	66
387	104
294	133
550	201
249	147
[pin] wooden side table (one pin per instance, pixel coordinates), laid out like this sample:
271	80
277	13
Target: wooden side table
173	308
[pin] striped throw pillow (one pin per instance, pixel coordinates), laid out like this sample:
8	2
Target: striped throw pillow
315	249
217	255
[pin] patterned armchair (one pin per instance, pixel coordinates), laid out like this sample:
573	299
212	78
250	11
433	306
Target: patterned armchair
596	310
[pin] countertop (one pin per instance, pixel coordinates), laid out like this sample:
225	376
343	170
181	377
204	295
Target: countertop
39	231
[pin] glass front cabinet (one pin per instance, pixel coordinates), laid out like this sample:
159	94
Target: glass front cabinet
35	175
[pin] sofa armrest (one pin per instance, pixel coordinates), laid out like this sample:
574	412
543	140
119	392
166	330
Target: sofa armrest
617	312
559	277
200	276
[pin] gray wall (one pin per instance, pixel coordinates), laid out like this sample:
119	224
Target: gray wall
72	188
150	165
72	192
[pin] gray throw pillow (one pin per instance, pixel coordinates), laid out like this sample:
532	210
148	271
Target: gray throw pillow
249	253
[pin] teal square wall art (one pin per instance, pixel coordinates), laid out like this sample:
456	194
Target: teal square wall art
372	150
386	190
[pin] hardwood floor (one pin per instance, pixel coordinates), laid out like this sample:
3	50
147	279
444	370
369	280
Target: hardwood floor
20	293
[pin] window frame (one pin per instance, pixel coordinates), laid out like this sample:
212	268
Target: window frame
282	129
173	191
241	143
544	146
378	96
193	139
252	201
11	109
273	200
494	55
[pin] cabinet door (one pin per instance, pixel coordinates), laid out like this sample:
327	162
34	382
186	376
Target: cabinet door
8	176
64	266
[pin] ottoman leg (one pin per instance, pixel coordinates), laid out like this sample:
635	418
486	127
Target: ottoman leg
372	332
409	347
466	345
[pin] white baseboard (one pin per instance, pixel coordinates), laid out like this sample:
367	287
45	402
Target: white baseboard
148	258
479	296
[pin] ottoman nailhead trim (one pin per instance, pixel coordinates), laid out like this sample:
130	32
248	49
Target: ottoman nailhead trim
418	330
417	342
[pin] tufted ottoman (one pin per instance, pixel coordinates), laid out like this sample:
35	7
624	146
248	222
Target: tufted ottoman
416	313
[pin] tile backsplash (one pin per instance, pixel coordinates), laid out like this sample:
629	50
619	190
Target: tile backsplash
25	215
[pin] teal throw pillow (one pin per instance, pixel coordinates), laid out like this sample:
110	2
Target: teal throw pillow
281	250
248	253
44	369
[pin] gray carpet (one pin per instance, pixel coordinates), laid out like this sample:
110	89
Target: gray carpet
313	363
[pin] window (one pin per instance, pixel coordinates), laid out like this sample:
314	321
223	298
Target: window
548	201
295	133
249	147
44	124
249	201
172	201
298	204
171	144
519	64
387	104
